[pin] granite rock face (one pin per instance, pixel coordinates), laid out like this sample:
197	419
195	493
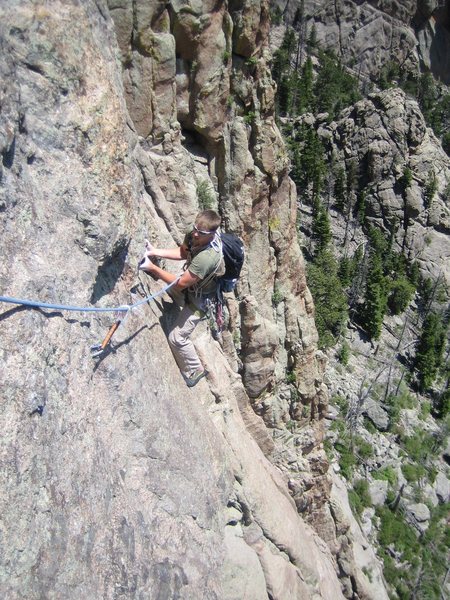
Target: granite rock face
117	481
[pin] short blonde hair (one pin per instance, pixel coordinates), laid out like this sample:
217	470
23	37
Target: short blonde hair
208	220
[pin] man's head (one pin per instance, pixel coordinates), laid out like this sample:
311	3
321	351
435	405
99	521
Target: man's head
206	224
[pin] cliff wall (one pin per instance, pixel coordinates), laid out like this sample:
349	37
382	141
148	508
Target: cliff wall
117	481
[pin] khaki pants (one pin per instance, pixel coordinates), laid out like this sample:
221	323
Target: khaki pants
179	339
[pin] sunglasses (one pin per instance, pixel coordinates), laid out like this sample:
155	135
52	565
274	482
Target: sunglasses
200	232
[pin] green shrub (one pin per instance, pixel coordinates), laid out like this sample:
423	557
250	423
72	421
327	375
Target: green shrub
276	15
250	117
291	377
396	403
396	532
359	496
338	426
425	559
363	449
406	400
350	451
386	474
205	194
347	459
425	410
413	473
369	426
277	296
344	353
420	446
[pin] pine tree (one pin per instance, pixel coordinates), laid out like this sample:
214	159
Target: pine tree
334	87
347	269
406	179
296	169
360	206
375	301
430	350
282	71
299	26
321	229
377	241
312	38
305	87
427	94
330	299
431	187
312	163
283	96
340	185
401	294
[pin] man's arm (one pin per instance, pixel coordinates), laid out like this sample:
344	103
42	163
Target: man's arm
185	281
179	253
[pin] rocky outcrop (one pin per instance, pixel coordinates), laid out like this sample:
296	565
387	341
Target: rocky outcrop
385	135
117	481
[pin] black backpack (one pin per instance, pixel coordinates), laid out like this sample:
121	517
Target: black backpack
233	255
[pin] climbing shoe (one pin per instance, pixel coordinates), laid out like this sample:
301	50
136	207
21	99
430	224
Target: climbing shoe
195	378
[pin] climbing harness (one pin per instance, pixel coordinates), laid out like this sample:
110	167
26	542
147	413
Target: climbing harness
214	313
97	349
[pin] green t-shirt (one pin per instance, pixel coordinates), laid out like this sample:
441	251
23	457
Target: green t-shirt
202	262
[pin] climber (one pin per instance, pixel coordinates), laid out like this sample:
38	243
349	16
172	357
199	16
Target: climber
202	251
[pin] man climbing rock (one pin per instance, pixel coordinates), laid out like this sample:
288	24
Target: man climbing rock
202	251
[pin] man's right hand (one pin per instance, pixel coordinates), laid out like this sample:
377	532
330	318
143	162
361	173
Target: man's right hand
149	249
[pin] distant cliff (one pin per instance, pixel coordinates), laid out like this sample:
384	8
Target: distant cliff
367	125
369	34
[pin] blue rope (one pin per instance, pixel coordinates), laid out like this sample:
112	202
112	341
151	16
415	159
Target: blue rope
125	308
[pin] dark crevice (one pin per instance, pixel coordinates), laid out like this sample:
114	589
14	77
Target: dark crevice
8	154
35	68
22	124
109	273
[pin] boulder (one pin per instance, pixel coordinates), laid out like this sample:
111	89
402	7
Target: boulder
378	492
418	515
442	487
376	414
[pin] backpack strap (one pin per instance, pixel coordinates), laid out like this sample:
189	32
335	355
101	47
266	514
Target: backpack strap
216	244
